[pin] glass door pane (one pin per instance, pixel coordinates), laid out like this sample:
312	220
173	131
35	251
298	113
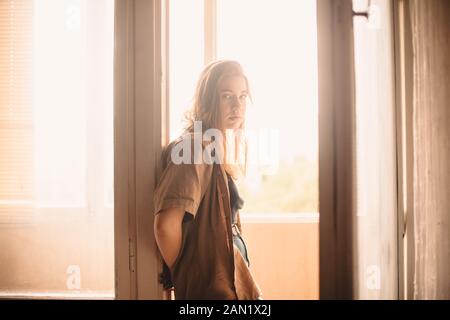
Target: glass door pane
56	164
276	43
186	47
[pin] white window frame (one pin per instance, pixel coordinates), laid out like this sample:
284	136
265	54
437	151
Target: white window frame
210	30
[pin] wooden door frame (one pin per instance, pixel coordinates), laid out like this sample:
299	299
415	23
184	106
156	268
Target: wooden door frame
140	131
336	148
404	123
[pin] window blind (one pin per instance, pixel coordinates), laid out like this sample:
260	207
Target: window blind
16	113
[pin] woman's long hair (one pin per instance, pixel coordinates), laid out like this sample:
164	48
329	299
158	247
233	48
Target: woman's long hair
205	108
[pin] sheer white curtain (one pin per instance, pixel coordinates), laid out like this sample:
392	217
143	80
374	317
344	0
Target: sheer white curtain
375	233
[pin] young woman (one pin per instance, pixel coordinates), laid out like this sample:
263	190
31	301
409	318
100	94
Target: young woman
197	225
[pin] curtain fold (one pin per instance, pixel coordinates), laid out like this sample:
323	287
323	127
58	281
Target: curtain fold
431	124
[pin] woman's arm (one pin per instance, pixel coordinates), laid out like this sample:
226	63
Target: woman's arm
168	233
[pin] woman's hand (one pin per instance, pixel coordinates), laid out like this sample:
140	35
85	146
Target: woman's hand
168	234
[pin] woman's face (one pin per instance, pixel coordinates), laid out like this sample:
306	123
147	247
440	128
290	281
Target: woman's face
232	101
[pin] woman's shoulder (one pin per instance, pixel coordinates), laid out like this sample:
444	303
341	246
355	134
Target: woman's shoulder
185	149
168	149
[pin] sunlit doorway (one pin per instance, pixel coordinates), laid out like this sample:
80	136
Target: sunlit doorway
276	42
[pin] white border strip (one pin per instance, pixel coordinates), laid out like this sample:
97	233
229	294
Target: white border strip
210	30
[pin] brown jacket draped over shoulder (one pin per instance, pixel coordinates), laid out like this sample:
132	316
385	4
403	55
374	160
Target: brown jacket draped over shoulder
209	265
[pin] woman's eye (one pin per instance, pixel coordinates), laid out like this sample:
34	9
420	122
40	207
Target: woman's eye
229	97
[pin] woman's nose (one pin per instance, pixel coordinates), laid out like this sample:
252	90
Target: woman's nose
237	103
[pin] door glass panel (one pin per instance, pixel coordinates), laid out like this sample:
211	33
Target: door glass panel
186	49
276	42
56	163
